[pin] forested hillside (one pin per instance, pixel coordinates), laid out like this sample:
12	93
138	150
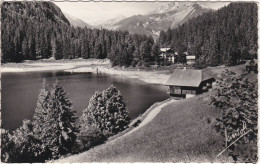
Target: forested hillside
226	36
27	29
36	30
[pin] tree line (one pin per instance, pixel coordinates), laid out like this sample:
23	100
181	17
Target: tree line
226	36
53	131
37	30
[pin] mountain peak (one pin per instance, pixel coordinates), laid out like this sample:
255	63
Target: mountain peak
76	22
171	6
167	15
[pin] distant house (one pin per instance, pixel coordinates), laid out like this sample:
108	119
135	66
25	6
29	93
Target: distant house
168	54
190	59
188	82
251	65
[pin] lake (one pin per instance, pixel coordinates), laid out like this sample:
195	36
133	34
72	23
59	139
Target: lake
20	92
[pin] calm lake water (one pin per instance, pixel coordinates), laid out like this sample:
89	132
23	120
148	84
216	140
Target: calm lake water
20	92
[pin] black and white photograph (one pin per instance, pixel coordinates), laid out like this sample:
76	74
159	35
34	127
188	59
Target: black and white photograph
127	81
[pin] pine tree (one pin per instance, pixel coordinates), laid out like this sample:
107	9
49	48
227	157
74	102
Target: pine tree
25	49
155	52
61	124
42	112
53	47
145	50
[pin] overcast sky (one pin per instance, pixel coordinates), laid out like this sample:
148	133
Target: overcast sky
99	12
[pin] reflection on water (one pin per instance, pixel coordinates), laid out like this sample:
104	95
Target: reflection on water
20	92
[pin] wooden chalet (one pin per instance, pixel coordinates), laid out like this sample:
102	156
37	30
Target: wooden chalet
188	82
168	54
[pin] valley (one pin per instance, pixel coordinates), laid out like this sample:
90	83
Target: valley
129	82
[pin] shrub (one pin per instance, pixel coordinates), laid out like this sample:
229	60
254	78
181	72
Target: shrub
237	98
22	146
147	64
106	115
8	150
90	136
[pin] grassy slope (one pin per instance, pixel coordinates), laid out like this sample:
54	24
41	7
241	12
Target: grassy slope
181	132
216	71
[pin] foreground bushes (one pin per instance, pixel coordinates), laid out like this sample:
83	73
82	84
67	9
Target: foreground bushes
53	133
105	116
49	135
237	98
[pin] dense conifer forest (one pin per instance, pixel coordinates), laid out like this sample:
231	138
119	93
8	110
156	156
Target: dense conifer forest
226	36
37	30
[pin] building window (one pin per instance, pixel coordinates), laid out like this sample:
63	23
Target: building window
189	92
177	90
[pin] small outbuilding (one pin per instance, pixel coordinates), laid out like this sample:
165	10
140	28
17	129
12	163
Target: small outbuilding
189	82
190	59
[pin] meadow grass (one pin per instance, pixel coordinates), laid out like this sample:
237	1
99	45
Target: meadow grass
181	132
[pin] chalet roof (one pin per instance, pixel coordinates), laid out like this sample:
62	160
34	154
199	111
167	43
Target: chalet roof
164	49
188	77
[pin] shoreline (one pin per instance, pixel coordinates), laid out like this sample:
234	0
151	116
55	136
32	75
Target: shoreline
50	65
153	77
94	66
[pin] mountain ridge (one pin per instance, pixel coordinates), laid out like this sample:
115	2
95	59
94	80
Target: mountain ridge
76	22
170	15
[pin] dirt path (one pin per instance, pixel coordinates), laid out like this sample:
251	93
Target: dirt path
150	116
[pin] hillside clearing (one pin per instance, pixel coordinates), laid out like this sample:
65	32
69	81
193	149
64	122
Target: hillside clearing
181	132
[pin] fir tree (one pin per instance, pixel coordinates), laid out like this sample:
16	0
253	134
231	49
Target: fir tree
42	112
61	124
107	111
41	119
155	52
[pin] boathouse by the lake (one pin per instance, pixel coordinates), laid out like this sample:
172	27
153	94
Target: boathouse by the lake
189	82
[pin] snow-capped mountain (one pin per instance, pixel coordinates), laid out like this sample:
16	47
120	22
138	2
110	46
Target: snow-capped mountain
167	15
110	23
75	22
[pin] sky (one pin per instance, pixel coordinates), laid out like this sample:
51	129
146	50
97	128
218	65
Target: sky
99	12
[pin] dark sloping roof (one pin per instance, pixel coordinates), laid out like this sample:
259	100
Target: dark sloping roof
187	77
